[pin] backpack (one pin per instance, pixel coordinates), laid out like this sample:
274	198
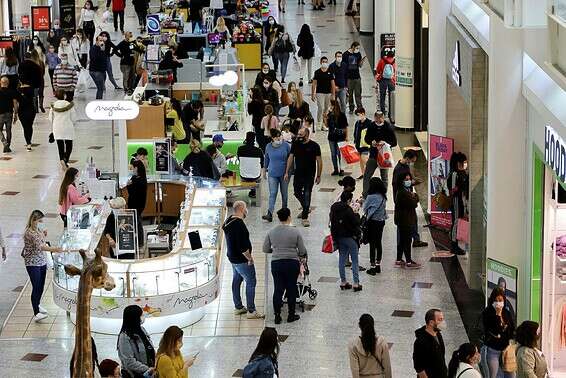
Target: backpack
388	71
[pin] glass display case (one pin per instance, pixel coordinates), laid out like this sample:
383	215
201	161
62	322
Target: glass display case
170	284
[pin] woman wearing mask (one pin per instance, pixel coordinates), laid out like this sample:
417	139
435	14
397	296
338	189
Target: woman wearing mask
406	201
276	154
86	20
37	45
499	329
176	116
263	361
81	46
292	90
463	362
9	67
374	210
530	360
280	50
170	362
270	29
135	349
266	72
458	184
337	132
66	48
305	41
170	62
36	261
63	117
369	353
270	95
109	49
345	231
39	90
69	194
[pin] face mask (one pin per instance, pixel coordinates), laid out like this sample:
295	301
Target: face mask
356	50
498	305
412	164
266	86
276	143
64	61
300	139
56	26
441	326
40	226
64	43
407	183
285	37
265	71
324	65
35	41
339	60
271	22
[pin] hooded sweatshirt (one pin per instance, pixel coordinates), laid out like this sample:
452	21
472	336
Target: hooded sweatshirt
62	117
428	354
363	364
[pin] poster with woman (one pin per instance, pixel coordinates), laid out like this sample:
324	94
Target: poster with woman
440	150
126	240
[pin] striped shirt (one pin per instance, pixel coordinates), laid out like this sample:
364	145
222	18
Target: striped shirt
65	78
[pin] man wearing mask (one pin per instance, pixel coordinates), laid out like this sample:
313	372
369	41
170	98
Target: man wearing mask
428	352
360	130
354	61
65	78
323	90
340	72
125	50
379	132
98	65
239	251
305	156
403	168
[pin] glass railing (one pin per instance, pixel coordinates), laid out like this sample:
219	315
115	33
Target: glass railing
560	9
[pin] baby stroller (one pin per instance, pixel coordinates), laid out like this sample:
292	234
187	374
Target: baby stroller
304	286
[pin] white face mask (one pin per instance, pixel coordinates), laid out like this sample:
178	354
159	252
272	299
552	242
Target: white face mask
407	183
266	86
35	42
265	71
465	165
40	226
64	43
441	326
271	22
356	50
324	65
64	61
498	305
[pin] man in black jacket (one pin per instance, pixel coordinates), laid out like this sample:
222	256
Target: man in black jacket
97	66
125	50
428	350
379	132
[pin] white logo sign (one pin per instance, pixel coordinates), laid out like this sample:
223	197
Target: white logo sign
555	152
456	65
111	110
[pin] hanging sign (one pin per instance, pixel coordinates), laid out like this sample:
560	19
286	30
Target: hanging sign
441	149
126	226
6	41
456	66
555	152
67	15
404	72
40	18
112	110
25	21
162	148
153	24
503	276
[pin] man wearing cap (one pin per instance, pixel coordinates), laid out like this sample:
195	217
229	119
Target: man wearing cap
218	141
251	160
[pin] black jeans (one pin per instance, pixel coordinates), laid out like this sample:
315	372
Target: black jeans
64	219
385	86
65	148
302	188
27	118
37	278
69	95
121	15
375	234
285	273
89	29
404	247
83	59
142	14
51	72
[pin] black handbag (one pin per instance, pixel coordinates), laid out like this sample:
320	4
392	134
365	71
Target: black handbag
51	138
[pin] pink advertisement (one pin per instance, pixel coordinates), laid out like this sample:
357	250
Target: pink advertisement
440	150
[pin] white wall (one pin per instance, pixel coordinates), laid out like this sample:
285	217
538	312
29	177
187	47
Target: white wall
404	50
384	22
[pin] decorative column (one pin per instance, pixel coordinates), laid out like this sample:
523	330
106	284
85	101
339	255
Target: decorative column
405	53
366	16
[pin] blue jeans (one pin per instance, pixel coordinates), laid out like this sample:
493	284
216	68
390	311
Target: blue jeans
243	272
274	184
348	247
385	85
342	95
99	77
335	155
110	73
37	279
490	364
281	60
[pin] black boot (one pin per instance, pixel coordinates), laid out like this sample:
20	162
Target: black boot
278	319
456	249
292	318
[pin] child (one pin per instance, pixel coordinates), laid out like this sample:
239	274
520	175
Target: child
52	61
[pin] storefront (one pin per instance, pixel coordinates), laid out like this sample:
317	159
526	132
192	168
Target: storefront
466	123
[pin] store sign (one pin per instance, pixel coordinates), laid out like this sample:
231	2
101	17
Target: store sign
503	276
25	21
162	148
67	15
40	18
555	152
404	72
153	24
152	306
111	110
387	43
126	235
6	41
456	67
441	149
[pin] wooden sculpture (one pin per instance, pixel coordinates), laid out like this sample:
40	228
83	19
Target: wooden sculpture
93	275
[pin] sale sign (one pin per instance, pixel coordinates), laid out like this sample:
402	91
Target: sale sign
40	18
440	150
25	21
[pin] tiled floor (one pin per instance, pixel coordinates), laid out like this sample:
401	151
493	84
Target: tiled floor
316	344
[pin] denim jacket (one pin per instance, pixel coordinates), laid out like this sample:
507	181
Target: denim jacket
261	367
374	207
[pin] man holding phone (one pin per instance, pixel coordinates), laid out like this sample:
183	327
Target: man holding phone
354	61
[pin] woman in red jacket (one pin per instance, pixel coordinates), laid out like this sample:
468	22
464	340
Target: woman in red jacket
118	7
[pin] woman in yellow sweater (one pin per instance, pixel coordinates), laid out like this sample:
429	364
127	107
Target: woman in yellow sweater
170	363
175	113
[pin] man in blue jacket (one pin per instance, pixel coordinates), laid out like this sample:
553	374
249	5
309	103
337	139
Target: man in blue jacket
340	72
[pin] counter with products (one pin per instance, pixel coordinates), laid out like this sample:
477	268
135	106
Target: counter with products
173	288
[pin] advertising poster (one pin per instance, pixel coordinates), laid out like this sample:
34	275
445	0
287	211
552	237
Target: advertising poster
404	72
162	150
67	15
5	42
440	149
504	276
386	42
25	21
153	24
126	241
40	18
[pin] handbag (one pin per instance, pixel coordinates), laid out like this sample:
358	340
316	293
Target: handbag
463	230
349	152
51	138
509	358
328	244
285	98
442	201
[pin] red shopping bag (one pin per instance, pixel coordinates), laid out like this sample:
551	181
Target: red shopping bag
328	244
349	153
384	156
463	230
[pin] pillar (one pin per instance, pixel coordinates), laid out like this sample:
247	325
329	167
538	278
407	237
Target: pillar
384	16
404	56
366	16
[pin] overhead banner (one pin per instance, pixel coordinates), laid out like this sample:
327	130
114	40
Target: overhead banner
25	21
162	148
40	18
126	226
440	149
503	276
67	17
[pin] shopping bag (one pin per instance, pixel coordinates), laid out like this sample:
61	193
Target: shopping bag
463	230
349	152
328	244
107	17
317	51
296	65
384	156
83	81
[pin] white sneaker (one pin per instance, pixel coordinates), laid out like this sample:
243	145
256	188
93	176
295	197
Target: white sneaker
42	310
240	311
40	317
255	315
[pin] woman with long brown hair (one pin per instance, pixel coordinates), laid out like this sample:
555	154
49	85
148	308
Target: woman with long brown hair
337	132
299	109
170	362
69	194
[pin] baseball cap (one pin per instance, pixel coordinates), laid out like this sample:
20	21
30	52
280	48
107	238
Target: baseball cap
217	138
